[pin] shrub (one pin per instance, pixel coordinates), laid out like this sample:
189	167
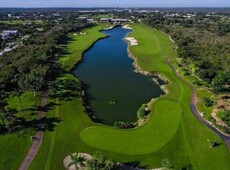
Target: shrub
208	102
142	112
196	82
186	73
212	120
124	125
224	116
99	162
166	164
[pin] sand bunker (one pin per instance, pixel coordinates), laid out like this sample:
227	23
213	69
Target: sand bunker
127	27
132	41
67	161
109	28
82	33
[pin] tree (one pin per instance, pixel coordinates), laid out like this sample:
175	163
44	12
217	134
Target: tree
142	111
36	78
166	164
3	117
77	160
208	102
33	80
18	86
221	82
3	104
8	118
99	162
212	143
11	118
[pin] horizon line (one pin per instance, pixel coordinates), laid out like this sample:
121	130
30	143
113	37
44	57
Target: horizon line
117	7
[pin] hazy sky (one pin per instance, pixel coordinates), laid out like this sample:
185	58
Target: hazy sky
114	3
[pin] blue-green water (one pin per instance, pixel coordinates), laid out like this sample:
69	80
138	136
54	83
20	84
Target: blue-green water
109	75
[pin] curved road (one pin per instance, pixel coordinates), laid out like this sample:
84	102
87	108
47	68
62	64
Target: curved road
37	140
194	109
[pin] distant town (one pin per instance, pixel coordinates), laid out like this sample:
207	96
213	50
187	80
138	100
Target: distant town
31	16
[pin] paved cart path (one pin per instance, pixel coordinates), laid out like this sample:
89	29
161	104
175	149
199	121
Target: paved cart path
37	139
194	109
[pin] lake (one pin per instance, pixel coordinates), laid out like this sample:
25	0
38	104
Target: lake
114	89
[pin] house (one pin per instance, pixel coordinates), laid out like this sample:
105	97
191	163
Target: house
115	21
7	33
40	29
118	21
90	20
83	18
105	20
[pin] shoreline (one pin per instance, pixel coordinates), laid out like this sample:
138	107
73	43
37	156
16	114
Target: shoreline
83	93
85	100
138	69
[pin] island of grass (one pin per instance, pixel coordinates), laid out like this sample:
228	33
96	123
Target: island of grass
170	132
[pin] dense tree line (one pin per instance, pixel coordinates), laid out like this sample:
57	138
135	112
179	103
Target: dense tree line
34	65
203	46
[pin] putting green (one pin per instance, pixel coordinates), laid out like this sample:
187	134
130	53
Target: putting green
160	128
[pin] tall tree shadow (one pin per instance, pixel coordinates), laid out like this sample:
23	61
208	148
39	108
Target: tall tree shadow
24	126
66	89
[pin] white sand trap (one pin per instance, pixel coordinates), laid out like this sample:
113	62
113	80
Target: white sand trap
109	28
127	27
68	160
132	41
82	33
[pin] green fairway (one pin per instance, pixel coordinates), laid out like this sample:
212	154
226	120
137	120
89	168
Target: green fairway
78	44
171	130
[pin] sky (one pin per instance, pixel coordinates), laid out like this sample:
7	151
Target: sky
114	3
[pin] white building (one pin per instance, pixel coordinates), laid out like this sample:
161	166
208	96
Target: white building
7	33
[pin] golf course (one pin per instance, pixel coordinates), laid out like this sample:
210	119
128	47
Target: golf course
170	130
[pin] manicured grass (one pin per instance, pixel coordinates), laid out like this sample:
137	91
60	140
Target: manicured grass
149	138
78	44
13	147
171	130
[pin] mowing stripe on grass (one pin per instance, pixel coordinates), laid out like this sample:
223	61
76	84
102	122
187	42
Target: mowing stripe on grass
52	141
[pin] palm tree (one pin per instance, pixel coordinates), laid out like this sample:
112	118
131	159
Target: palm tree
77	160
166	164
99	162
